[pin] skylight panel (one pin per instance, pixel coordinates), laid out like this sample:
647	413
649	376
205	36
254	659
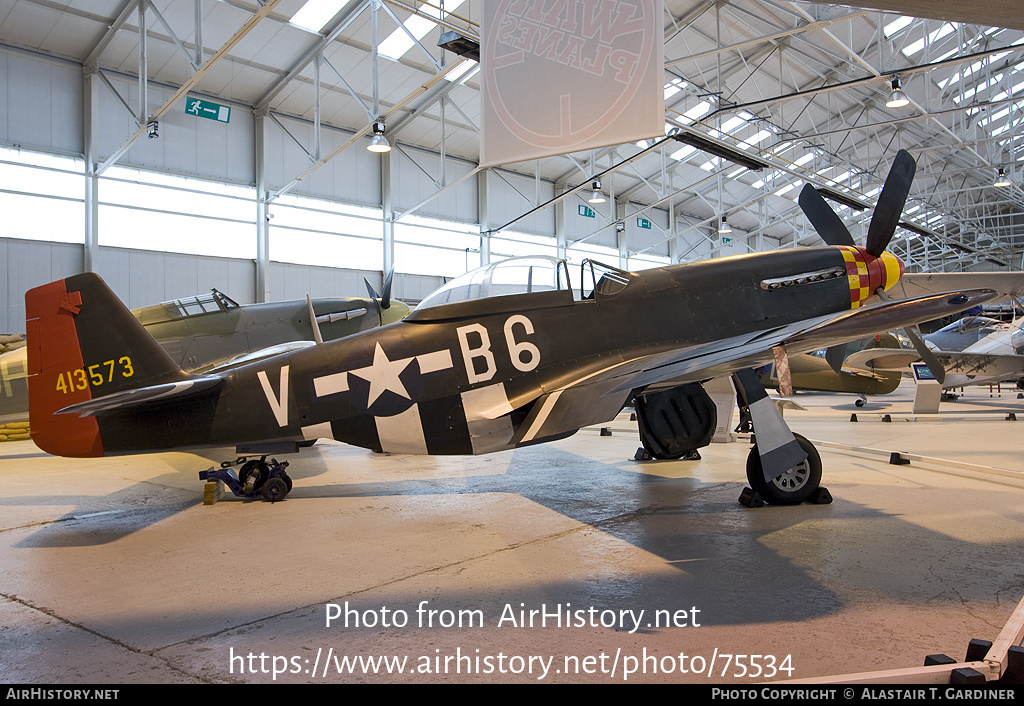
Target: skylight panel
804	160
698	111
757	139
897	25
316	13
466	68
980	87
683	153
732	123
935	36
914	47
399	41
674	86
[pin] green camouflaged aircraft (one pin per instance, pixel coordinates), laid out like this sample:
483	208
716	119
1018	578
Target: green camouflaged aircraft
212	332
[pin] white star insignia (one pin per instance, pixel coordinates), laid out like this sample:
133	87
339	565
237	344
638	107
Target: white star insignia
383	375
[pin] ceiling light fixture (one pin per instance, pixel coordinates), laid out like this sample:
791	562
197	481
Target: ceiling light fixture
596	196
378	143
897	99
724	226
1001	179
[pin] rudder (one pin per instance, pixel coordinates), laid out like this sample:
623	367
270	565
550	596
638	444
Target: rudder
83	343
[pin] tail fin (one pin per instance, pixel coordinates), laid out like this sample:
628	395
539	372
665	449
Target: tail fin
83	344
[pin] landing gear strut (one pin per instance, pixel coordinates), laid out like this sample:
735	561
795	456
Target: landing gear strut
254	477
783	468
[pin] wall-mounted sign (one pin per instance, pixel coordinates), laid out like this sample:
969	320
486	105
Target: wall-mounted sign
587	212
207	109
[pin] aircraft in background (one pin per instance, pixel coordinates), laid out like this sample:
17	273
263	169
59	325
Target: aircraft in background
812	373
211	331
505	356
966	332
995	358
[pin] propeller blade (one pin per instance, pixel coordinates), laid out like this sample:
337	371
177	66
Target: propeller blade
938	370
370	289
826	222
890	203
386	301
835	355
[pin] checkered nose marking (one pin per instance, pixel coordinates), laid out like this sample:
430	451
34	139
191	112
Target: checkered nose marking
867	273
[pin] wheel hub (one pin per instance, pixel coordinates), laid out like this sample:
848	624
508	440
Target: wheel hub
794	478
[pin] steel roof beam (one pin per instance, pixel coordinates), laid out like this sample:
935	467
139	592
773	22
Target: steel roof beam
193	80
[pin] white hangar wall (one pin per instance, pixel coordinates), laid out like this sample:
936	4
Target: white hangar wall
177	214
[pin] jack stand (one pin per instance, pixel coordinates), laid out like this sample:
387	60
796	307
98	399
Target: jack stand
255	477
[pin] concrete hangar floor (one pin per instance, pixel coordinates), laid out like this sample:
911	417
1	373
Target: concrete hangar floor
113	571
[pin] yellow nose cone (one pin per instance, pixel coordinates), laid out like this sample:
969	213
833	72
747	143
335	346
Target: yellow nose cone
396	312
893	269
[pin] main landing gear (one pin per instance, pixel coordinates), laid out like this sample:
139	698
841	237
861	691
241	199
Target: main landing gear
783	468
797	484
255	477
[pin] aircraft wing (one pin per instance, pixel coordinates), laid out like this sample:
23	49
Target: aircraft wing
596	396
991	367
914	284
262	354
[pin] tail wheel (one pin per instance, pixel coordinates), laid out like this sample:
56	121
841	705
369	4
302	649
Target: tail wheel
792	487
287	480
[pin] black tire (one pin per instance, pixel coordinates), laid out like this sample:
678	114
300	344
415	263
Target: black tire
792	487
274	489
254	467
860	402
287	480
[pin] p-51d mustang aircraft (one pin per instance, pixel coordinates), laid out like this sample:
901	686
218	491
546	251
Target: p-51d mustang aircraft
505	356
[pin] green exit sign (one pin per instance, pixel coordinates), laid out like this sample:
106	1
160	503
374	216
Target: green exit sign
207	109
643	223
587	212
727	242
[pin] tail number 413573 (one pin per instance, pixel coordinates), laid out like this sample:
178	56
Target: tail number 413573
97	374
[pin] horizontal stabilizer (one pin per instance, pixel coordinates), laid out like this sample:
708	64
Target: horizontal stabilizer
142	395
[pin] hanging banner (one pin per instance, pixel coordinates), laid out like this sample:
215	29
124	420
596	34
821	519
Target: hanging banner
562	76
